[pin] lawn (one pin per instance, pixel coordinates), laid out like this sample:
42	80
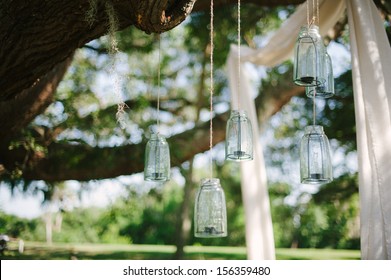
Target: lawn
42	251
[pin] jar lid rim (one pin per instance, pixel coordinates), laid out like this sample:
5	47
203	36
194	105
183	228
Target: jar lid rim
155	136
239	111
210	181
316	128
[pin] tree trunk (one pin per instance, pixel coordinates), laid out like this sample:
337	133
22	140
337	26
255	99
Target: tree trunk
48	227
184	220
58	221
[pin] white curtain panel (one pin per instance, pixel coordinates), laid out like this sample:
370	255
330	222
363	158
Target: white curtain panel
371	64
259	228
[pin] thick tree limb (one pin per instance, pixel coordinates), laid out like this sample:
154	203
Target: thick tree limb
37	35
21	110
202	5
275	96
82	162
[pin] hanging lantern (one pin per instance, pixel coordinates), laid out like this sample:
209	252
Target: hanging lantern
157	159
239	137
315	156
308	67
326	89
210	213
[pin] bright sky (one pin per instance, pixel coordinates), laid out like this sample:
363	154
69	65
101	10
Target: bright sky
25	206
97	194
30	206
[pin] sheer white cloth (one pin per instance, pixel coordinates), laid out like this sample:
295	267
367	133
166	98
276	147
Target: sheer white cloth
370	59
371	67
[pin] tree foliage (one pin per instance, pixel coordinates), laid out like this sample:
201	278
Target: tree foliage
69	131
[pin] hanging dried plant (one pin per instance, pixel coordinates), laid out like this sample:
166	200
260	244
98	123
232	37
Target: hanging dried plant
112	27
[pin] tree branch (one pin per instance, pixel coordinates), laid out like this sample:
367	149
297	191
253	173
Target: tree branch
275	96
64	161
37	35
202	5
21	110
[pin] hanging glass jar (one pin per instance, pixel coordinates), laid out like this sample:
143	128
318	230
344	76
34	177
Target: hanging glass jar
157	159
326	89
308	66
239	137
210	213
315	156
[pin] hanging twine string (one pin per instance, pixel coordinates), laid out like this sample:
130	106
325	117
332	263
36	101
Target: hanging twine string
313	19
317	11
308	14
239	66
314	107
158	88
211	89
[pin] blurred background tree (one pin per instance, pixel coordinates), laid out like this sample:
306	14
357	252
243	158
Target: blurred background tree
79	138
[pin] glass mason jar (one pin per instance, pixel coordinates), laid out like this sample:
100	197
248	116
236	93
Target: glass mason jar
210	213
157	159
326	89
239	137
308	66
315	157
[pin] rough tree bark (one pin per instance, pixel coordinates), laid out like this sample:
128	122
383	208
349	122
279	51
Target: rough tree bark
39	37
30	102
65	161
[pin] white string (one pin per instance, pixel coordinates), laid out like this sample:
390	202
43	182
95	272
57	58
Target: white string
158	90
239	66
211	89
308	15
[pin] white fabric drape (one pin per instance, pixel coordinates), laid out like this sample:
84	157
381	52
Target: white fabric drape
372	98
259	229
371	66
281	43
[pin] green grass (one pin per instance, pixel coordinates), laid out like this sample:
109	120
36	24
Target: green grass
42	251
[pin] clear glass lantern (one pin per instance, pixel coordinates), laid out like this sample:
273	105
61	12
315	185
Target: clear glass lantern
210	213
308	66
315	156
157	159
239	137
326	89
